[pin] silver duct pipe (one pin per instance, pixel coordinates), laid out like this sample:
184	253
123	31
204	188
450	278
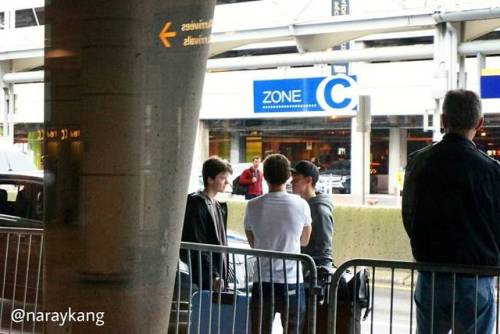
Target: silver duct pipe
468	15
395	53
486	47
24	77
326	57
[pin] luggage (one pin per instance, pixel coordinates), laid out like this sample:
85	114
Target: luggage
353	296
348	318
234	316
239	189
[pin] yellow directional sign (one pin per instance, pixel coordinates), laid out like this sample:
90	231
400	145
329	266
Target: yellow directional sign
165	35
191	33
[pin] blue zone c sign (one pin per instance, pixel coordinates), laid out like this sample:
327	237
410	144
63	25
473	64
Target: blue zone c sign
334	94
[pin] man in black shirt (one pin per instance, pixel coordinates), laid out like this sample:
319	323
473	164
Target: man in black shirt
451	212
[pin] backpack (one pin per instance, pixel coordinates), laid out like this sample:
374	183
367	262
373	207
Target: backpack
347	294
239	189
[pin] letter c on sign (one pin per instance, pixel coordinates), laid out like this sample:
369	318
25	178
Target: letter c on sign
345	98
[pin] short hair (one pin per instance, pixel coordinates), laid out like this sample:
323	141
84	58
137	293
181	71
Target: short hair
462	109
256	157
276	169
212	167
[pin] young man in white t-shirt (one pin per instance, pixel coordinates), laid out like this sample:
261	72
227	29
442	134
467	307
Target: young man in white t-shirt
278	221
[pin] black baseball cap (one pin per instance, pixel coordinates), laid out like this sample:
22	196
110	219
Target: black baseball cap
306	168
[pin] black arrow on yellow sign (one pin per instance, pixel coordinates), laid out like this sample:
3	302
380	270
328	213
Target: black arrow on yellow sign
165	35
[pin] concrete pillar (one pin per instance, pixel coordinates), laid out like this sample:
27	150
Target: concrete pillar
449	67
357	160
397	155
441	79
202	140
8	103
480	66
5	67
235	147
115	188
200	154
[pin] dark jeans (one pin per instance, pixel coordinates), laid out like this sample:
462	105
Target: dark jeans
250	196
465	315
291	319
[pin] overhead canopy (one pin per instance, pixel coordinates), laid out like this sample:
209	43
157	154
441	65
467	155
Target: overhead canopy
323	34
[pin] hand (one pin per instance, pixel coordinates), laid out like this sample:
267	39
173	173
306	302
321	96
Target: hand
218	284
254	179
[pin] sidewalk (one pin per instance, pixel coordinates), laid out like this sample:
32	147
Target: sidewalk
402	278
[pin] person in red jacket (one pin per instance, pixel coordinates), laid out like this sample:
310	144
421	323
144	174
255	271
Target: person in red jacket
252	177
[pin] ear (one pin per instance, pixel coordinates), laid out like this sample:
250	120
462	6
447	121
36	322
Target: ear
444	121
479	124
210	180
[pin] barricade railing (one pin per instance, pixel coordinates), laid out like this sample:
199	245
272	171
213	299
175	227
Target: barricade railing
20	275
456	298
258	284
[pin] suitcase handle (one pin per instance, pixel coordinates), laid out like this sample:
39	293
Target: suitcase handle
226	297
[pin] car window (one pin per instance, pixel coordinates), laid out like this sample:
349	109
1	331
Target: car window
21	199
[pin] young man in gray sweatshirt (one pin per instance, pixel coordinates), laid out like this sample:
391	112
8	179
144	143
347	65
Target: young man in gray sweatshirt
305	175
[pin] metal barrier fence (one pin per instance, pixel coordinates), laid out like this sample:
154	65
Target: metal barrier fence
259	283
449	297
20	275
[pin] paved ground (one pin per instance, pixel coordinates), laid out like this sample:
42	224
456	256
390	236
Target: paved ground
378	200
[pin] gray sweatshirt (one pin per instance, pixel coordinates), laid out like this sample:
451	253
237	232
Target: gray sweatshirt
320	244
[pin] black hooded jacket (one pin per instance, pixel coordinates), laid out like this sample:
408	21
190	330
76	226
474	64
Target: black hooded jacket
200	227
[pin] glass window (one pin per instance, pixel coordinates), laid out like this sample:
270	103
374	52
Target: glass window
30	17
23	200
40	14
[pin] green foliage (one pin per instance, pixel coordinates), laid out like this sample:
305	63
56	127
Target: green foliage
236	211
35	144
360	232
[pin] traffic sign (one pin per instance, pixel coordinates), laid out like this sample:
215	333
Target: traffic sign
333	94
490	84
165	35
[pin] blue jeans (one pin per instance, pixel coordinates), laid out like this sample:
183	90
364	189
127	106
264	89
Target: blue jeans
465	298
293	318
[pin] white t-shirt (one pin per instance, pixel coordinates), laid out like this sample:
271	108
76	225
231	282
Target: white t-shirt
277	220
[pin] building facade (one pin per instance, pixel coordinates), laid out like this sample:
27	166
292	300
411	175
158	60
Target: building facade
404	59
22	24
403	54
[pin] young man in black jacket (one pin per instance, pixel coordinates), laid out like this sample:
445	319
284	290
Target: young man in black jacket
205	222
